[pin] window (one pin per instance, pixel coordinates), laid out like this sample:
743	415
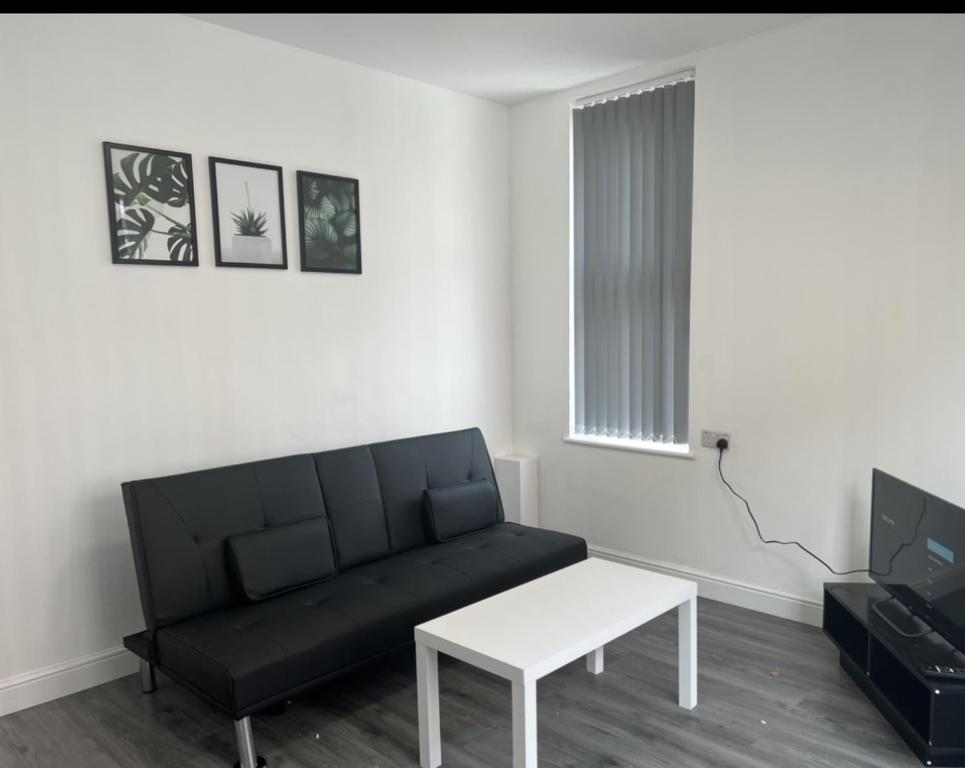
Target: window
632	200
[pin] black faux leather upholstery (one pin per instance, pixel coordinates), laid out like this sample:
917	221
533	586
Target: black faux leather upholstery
282	558
354	502
179	525
456	510
407	467
242	656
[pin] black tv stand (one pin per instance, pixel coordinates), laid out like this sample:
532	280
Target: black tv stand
885	659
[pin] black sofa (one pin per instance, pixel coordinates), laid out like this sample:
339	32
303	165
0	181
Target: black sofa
261	580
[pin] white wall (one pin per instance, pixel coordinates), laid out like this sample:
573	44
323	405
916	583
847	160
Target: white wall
109	373
828	300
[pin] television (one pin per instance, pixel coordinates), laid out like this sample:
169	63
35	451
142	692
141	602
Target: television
918	553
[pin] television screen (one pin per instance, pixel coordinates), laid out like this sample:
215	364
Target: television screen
918	553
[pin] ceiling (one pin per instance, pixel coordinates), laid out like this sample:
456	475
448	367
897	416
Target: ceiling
503	57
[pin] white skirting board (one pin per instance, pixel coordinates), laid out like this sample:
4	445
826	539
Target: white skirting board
37	686
725	590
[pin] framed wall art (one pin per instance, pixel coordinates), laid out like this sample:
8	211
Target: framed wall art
328	223
150	200
248	207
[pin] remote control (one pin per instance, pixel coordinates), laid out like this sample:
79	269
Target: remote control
940	670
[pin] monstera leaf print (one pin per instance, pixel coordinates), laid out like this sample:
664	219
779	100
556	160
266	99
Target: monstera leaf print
330	222
161	178
148	187
172	187
180	244
132	231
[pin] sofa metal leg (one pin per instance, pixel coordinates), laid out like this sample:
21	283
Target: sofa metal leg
246	746
148	680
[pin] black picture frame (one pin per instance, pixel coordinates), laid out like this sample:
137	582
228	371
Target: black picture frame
213	162
311	262
119	242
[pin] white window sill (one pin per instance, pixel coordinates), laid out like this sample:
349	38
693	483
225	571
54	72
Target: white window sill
637	446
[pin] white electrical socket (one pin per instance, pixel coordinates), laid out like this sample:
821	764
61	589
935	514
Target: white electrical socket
708	438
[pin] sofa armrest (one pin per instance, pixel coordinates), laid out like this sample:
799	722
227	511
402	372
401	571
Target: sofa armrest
142	644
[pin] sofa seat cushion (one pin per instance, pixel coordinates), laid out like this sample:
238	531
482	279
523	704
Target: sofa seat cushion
246	657
483	563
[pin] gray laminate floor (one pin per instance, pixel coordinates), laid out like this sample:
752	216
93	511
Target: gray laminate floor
770	694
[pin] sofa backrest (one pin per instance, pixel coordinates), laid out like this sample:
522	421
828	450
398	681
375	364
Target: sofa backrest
371	495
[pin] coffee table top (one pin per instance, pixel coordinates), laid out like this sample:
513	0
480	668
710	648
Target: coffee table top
535	628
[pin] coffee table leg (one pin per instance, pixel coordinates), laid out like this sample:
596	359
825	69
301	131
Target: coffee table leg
524	725
427	679
687	648
594	661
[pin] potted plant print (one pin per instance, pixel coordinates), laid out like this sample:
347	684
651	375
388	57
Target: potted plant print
250	243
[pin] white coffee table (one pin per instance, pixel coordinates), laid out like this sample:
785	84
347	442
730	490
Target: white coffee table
527	632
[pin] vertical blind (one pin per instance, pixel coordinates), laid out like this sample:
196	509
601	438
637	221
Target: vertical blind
633	190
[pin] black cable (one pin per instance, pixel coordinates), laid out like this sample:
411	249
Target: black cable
799	545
